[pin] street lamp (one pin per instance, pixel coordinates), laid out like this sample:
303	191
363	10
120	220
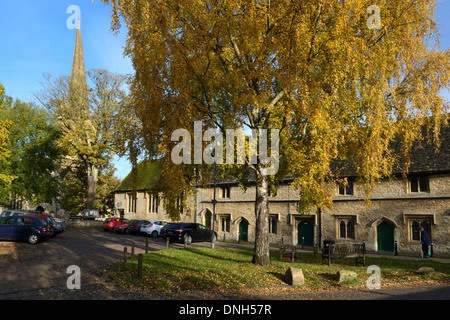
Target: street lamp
213	240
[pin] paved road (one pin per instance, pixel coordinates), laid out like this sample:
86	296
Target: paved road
40	272
44	266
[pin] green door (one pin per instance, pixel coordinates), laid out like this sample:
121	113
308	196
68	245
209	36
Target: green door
385	237
243	230
306	231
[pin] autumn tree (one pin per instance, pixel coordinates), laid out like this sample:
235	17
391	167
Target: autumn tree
5	176
33	153
88	132
338	80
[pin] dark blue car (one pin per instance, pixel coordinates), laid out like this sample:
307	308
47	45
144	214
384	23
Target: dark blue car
25	228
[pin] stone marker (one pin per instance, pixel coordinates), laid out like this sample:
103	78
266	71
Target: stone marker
294	277
346	276
425	270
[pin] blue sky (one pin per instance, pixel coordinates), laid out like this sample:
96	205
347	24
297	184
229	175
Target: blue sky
35	39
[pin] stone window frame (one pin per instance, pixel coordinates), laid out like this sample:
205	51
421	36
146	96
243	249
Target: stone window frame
345	219
131	203
152	202
225	192
421	184
416	221
348	190
274	220
225	218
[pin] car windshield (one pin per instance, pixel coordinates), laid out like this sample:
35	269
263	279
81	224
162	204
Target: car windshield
6	214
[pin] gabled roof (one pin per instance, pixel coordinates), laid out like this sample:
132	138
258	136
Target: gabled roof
424	160
147	176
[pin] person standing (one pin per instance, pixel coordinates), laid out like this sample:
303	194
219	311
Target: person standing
425	240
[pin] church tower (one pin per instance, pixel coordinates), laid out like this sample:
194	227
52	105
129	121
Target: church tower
78	104
78	94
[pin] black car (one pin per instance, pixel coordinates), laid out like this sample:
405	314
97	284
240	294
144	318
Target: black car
134	226
191	231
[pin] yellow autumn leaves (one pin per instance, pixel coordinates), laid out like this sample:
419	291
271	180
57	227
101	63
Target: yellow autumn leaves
4	139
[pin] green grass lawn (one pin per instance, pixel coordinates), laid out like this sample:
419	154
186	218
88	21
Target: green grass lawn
221	268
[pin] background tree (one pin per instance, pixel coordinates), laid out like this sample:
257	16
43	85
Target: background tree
335	88
5	177
88	133
34	156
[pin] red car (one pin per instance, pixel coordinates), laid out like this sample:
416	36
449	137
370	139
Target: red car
110	223
122	228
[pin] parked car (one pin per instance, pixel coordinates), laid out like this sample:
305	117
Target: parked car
30	228
191	231
153	227
110	223
58	224
135	226
8	213
121	228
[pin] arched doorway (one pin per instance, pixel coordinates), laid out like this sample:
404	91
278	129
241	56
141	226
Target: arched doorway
385	237
208	219
306	233
243	230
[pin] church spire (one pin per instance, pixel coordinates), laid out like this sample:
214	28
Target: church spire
78	96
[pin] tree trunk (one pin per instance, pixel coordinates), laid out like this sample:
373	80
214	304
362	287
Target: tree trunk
92	173
261	254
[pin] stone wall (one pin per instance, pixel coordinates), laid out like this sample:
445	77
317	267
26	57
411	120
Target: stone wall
391	202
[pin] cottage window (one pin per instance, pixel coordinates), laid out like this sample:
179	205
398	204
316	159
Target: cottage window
419	184
225	192
180	203
346	189
416	224
152	203
347	229
131	203
273	224
225	221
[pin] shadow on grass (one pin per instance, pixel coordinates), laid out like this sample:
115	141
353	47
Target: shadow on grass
232	268
277	275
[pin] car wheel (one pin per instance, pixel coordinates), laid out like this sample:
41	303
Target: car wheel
154	234
32	238
188	238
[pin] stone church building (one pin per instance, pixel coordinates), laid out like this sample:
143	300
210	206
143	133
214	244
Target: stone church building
391	221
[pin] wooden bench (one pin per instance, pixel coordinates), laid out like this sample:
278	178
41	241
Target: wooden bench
287	253
344	250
